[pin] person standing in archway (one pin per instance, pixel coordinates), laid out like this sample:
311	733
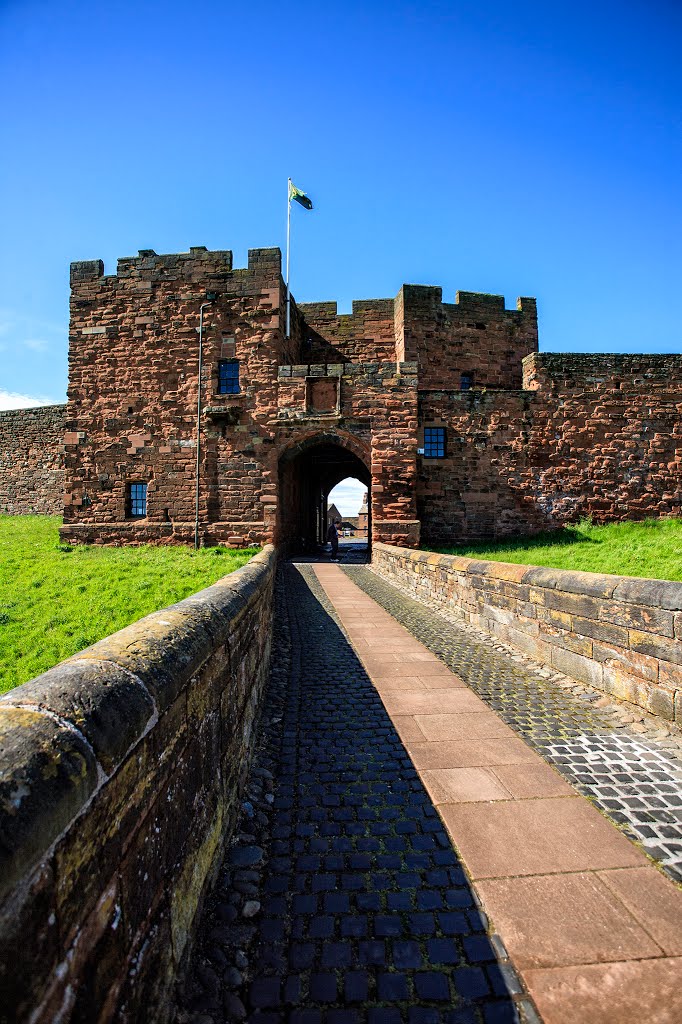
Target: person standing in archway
333	538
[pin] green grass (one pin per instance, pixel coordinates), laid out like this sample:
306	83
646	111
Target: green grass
652	548
55	600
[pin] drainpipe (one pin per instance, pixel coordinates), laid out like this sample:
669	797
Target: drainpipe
211	297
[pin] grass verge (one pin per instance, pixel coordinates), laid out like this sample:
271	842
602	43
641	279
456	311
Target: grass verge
54	600
652	548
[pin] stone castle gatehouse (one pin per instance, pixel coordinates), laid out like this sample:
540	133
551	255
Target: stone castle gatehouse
459	427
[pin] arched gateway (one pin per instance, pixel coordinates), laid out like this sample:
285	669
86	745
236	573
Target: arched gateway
308	471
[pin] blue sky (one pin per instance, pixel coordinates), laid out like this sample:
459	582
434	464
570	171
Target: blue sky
524	148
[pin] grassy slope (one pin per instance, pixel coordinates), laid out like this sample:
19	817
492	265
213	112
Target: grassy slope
55	602
652	548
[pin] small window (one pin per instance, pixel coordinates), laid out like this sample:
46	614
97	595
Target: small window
466	382
434	442
228	377
137	501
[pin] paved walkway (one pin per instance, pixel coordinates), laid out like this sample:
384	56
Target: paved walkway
344	900
629	765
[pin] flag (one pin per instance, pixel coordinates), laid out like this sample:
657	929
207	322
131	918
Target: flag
300	197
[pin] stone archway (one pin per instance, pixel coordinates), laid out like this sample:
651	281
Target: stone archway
308	471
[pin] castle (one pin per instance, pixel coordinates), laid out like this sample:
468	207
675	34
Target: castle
448	413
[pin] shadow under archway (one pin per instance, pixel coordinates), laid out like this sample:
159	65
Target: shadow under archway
307	475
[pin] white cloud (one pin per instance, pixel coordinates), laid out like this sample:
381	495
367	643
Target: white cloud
13	400
20	332
347	496
36	344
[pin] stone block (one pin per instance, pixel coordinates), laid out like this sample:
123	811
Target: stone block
604	631
657	593
574	604
639	617
106	704
638	664
163	650
590	584
656	646
622	684
578	667
47	774
29	936
670	675
541	577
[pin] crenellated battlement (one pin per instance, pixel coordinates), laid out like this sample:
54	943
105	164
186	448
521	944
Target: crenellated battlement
149	265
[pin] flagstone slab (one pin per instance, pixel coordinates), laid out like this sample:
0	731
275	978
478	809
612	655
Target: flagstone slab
418	703
630	992
526	781
408	729
561	920
650	898
463	726
533	837
483	752
463	785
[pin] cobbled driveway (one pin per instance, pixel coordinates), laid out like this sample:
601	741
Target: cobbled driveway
343	901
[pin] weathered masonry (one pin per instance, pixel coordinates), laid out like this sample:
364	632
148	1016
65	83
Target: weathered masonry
31	460
446	411
121	771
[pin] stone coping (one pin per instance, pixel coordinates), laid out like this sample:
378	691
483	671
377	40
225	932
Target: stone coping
632	589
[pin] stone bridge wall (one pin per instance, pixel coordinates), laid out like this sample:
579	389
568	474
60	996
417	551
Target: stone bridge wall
620	634
31	460
120	774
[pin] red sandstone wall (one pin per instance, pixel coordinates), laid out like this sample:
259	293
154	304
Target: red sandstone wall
133	394
366	335
477	491
31	460
606	436
474	335
597	435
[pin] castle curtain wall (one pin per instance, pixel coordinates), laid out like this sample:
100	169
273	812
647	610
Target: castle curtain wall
531	440
591	435
31	464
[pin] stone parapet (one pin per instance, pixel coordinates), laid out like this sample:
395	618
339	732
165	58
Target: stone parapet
120	777
620	634
602	370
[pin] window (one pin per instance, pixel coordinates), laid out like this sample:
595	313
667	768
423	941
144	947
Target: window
228	377
466	382
136	501
434	442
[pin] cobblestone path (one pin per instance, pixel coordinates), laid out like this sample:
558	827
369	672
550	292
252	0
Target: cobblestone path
635	778
343	901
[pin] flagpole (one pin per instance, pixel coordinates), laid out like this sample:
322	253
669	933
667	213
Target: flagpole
288	245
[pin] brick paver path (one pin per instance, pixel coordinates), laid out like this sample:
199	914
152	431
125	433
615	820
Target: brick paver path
344	900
